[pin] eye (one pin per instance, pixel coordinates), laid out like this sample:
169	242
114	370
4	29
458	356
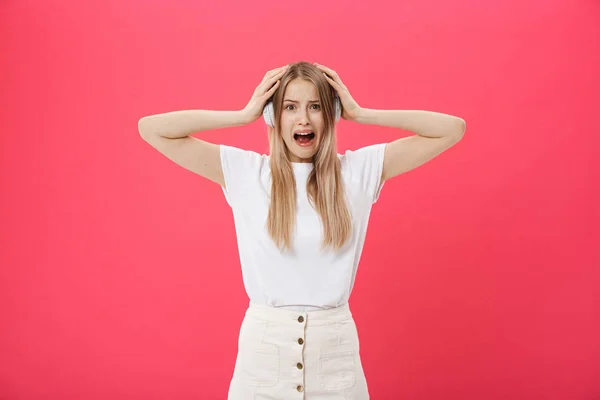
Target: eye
318	106
288	106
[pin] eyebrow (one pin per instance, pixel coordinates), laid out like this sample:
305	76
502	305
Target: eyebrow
294	101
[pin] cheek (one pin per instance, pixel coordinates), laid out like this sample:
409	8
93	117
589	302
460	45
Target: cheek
285	128
319	125
319	120
285	124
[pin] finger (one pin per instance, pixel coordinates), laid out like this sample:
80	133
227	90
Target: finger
332	74
270	79
275	71
329	71
272	90
333	83
268	82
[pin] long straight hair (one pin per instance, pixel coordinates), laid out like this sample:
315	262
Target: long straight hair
324	186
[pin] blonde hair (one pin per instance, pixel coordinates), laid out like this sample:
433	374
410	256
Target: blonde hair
324	185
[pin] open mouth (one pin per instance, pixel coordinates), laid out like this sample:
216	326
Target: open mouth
304	139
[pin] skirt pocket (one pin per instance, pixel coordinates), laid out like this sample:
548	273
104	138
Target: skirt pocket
337	368
258	364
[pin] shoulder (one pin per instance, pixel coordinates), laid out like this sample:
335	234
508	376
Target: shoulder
363	168
355	161
241	169
239	161
233	153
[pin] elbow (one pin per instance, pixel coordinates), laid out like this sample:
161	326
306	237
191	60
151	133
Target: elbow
144	127
459	127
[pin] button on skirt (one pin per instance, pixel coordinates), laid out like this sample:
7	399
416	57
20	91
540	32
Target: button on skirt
284	354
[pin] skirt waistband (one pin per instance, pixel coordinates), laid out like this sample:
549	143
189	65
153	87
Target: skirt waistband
268	313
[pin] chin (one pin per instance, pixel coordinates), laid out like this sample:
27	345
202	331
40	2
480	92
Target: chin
305	151
303	155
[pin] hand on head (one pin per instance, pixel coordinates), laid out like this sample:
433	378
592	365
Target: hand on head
263	92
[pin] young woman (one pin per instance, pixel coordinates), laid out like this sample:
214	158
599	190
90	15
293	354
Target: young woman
301	216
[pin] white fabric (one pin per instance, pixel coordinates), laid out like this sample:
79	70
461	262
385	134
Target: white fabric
307	278
285	354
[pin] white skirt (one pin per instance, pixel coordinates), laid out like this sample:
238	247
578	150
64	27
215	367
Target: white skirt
284	354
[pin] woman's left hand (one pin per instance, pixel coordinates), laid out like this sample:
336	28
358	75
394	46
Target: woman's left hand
350	108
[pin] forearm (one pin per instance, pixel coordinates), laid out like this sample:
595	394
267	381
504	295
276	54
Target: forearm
178	124
423	123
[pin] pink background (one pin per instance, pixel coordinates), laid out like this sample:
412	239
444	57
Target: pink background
120	277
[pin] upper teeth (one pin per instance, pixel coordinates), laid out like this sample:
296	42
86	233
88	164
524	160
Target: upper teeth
304	133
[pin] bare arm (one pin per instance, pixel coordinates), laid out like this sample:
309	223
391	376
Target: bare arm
179	124
169	133
435	132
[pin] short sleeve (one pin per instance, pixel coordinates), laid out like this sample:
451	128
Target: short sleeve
366	167
240	168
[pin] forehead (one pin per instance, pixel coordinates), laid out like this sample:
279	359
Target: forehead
300	89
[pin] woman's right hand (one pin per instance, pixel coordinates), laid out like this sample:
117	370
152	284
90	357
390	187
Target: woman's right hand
263	92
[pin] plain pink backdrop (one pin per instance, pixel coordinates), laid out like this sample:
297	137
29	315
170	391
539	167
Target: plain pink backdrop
120	277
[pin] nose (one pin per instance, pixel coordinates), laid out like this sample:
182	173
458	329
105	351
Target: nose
302	117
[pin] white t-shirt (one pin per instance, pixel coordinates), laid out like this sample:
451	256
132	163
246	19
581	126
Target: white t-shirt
308	278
